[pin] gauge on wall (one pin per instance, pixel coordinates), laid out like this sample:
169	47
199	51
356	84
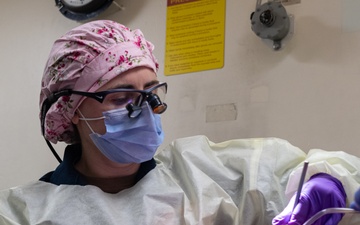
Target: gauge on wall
82	9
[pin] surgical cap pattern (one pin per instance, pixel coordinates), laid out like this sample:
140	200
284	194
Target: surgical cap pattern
84	59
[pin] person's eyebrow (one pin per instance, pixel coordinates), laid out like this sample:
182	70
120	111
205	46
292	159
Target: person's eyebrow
151	83
130	86
122	86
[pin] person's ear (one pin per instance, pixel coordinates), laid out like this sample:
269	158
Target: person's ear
75	118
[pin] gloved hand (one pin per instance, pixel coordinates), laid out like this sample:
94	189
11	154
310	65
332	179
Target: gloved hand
356	203
319	192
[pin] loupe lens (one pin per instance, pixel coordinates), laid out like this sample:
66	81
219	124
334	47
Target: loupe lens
160	108
155	103
134	111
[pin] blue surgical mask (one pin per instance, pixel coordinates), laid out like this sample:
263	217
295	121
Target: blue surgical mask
129	140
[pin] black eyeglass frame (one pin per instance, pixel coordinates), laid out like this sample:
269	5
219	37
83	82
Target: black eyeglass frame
100	96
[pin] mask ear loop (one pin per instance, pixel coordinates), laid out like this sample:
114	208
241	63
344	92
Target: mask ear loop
89	119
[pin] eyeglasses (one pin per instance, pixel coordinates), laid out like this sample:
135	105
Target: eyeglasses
131	99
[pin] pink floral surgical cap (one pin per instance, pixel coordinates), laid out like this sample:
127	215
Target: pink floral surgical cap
84	59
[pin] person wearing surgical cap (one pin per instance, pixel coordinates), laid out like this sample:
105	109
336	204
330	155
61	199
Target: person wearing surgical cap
100	94
109	59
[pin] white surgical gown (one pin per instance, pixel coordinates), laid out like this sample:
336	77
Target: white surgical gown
195	182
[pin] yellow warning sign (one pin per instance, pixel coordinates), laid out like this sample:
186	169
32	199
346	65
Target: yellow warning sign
194	36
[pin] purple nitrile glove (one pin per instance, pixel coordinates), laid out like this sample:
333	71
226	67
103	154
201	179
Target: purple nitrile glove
321	191
356	203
